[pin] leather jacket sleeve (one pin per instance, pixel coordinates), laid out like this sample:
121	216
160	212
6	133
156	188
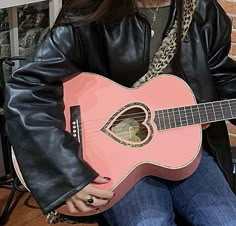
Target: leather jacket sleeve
222	67
47	154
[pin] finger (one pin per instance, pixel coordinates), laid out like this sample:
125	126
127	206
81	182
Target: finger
101	180
98	202
71	207
100	193
80	205
205	126
95	200
92	190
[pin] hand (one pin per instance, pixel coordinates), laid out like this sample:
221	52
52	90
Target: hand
90	198
205	126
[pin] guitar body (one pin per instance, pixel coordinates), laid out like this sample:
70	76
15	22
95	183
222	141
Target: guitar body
173	154
117	128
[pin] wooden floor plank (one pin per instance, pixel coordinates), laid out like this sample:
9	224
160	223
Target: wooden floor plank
25	211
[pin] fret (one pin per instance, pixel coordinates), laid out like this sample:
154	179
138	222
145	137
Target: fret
183	116
231	110
232	104
166	119
157	120
172	118
189	115
222	111
202	113
196	115
210	112
177	117
226	110
161	119
217	111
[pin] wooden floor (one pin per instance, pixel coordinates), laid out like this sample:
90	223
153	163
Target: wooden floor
25	211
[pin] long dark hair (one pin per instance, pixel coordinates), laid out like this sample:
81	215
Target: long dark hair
105	11
100	11
108	11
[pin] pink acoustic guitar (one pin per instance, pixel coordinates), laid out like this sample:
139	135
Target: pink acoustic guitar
129	133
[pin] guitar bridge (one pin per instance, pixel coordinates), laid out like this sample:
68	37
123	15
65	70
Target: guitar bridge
75	122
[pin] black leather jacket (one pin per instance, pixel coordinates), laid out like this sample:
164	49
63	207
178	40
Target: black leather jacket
34	99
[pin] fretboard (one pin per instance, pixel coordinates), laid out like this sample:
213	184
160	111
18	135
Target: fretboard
195	114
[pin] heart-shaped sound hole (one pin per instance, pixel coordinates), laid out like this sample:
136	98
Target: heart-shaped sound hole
130	125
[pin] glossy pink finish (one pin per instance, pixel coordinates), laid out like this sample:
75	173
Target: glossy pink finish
173	154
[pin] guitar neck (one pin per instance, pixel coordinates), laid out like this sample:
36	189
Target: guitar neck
195	114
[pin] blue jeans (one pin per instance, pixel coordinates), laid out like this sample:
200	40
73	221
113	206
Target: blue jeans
202	199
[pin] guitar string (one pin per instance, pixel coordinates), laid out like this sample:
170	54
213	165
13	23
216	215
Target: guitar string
90	134
166	122
196	119
217	111
181	122
167	115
